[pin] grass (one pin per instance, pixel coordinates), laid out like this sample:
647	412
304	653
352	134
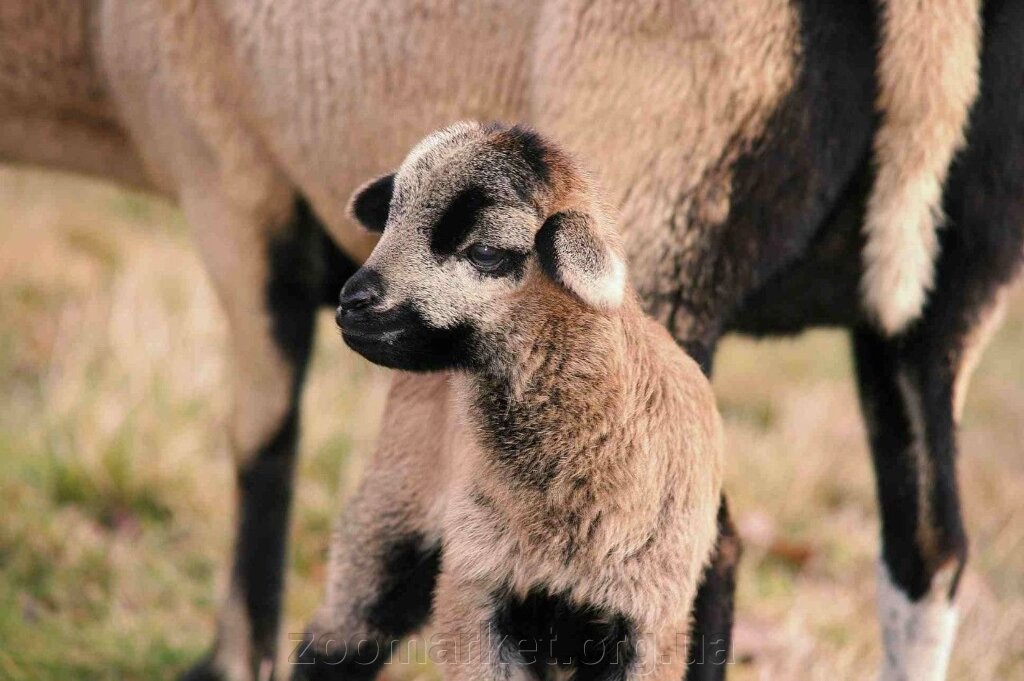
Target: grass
115	510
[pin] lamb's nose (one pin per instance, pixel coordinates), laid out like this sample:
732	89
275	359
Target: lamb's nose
357	300
360	292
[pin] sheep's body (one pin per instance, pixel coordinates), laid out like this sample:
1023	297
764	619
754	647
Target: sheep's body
735	138
577	459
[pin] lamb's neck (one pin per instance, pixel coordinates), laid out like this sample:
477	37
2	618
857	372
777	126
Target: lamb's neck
558	395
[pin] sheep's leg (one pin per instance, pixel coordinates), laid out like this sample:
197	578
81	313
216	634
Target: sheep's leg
913	386
270	274
912	394
909	417
385	552
712	614
711	634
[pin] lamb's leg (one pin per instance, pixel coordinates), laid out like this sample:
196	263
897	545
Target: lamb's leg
659	655
270	274
385	551
469	644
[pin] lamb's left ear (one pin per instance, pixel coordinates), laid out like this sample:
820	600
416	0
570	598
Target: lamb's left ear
371	202
573	252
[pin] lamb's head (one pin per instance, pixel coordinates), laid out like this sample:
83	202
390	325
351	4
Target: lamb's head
479	224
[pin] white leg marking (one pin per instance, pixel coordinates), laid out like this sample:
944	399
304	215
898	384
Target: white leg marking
917	637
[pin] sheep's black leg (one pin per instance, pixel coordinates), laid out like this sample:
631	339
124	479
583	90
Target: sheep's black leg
271	294
913	387
908	406
712	615
912	390
711	637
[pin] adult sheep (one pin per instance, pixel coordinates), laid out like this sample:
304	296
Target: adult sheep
736	138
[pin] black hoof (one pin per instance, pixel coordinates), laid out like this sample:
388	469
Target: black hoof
202	671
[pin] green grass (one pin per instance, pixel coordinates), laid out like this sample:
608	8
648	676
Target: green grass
115	476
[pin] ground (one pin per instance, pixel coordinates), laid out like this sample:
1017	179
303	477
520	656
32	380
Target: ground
115	476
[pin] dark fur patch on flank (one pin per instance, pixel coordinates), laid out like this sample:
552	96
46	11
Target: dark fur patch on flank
458	220
419	347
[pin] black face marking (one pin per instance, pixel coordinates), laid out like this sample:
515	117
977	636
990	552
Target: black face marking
400	338
458	220
533	150
529	155
545	630
371	204
361	292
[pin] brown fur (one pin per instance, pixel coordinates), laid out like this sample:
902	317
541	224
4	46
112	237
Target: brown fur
581	456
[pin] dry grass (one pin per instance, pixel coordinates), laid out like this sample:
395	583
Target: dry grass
115	520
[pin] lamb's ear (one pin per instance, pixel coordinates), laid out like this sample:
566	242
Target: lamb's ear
573	253
369	205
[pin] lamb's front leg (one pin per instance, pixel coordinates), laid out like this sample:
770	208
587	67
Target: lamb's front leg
468	643
386	551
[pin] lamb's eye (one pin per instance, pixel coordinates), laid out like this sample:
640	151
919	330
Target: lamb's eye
486	258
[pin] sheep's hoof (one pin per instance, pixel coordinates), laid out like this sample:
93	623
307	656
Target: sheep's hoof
202	671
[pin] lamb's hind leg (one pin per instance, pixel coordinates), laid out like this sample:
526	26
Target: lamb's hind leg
270	272
385	552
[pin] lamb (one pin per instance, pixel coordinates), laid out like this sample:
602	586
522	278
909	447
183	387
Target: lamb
565	482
